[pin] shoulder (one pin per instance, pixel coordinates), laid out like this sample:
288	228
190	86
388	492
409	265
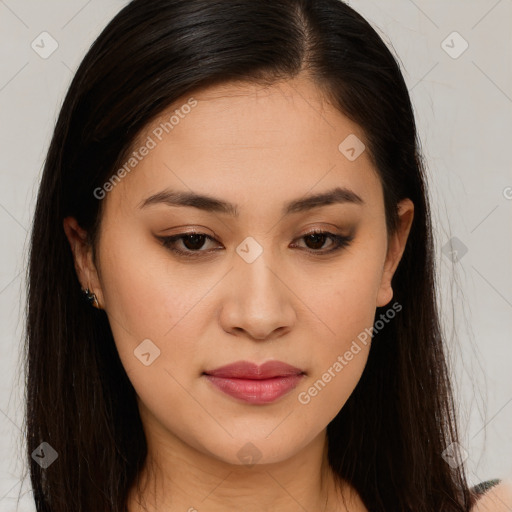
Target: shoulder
498	498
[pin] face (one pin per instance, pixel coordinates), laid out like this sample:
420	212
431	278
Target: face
275	276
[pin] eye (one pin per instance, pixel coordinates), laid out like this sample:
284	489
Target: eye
193	242
316	239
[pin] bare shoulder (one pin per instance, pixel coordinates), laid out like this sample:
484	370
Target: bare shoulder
496	499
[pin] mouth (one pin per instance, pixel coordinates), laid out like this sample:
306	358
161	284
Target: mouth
255	384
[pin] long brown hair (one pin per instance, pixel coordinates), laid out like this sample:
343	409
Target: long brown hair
388	439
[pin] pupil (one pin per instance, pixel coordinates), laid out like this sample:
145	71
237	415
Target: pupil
316	238
197	241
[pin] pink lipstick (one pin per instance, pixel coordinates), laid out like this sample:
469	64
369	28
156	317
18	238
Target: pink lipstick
255	384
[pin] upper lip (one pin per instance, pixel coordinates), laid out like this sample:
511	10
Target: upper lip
249	370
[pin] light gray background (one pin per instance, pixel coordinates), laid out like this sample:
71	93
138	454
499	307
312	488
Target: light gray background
463	108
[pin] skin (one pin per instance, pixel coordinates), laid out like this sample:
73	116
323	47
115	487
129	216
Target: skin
258	147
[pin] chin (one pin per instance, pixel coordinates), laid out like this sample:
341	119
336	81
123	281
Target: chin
248	452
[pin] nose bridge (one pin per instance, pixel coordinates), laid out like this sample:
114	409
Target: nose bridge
259	303
255	270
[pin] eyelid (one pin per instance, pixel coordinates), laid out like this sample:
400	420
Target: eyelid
339	242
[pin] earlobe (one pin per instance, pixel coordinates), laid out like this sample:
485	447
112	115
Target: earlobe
82	257
396	247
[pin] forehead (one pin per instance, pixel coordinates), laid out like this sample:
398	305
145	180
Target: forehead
252	116
278	141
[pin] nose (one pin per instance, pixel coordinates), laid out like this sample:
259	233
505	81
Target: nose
257	300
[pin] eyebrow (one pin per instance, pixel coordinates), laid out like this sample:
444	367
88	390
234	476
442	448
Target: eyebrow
338	195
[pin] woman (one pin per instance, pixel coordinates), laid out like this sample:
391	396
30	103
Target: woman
236	190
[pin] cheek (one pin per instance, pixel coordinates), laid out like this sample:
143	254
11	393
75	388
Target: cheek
346	302
343	296
145	301
151	314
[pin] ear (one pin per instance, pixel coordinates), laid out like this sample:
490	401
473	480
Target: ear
83	257
396	247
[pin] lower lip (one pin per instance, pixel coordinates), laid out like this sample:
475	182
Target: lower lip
254	391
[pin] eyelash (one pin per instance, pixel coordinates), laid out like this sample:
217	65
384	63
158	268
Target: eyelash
340	242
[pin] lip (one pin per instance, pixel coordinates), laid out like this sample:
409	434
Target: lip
255	384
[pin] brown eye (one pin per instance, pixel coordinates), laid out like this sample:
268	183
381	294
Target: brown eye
316	240
192	242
